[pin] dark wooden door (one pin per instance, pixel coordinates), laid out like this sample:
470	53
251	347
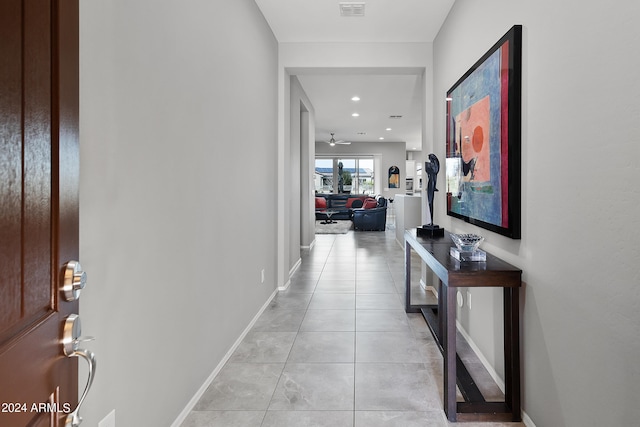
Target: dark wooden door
38	207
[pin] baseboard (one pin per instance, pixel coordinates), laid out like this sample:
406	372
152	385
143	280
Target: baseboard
194	400
291	273
526	420
401	244
499	381
295	267
311	245
285	286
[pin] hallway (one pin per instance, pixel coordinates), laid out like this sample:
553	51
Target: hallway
336	349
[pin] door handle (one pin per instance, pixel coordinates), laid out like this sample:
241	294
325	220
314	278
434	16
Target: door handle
71	340
73	281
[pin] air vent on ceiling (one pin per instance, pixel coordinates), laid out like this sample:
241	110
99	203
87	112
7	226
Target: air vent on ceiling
351	8
395	117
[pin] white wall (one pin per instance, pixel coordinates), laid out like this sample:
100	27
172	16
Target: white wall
580	219
300	173
178	119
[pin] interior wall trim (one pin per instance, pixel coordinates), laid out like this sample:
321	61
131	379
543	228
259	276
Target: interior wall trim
196	397
527	421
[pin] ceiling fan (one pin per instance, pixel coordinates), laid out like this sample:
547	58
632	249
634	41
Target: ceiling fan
332	142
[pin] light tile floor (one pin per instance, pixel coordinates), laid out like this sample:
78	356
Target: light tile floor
335	349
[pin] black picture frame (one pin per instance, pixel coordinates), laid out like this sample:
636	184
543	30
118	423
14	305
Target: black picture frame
483	140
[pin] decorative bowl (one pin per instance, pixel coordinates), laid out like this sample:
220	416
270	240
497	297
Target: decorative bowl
467	242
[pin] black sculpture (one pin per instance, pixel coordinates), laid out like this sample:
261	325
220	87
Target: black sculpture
432	167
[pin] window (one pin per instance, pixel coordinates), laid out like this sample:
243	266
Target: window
323	176
345	175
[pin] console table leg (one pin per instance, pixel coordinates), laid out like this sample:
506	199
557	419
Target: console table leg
407	275
441	309
449	335
512	350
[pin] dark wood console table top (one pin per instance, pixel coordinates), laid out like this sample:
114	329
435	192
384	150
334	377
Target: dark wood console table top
441	318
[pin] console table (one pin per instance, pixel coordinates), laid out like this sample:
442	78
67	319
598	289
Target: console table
441	318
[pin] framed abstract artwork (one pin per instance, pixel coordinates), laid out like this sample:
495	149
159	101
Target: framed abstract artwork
483	139
394	177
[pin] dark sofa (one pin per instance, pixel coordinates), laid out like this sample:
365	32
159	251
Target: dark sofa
342	203
374	219
368	214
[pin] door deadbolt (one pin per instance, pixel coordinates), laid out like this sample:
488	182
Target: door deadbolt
73	281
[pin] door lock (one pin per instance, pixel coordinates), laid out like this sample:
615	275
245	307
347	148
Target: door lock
74	281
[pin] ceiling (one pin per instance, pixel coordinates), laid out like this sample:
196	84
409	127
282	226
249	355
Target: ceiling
381	95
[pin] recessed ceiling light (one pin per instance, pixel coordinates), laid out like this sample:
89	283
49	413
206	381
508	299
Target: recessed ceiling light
355	98
352	8
382	137
388	129
356	115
